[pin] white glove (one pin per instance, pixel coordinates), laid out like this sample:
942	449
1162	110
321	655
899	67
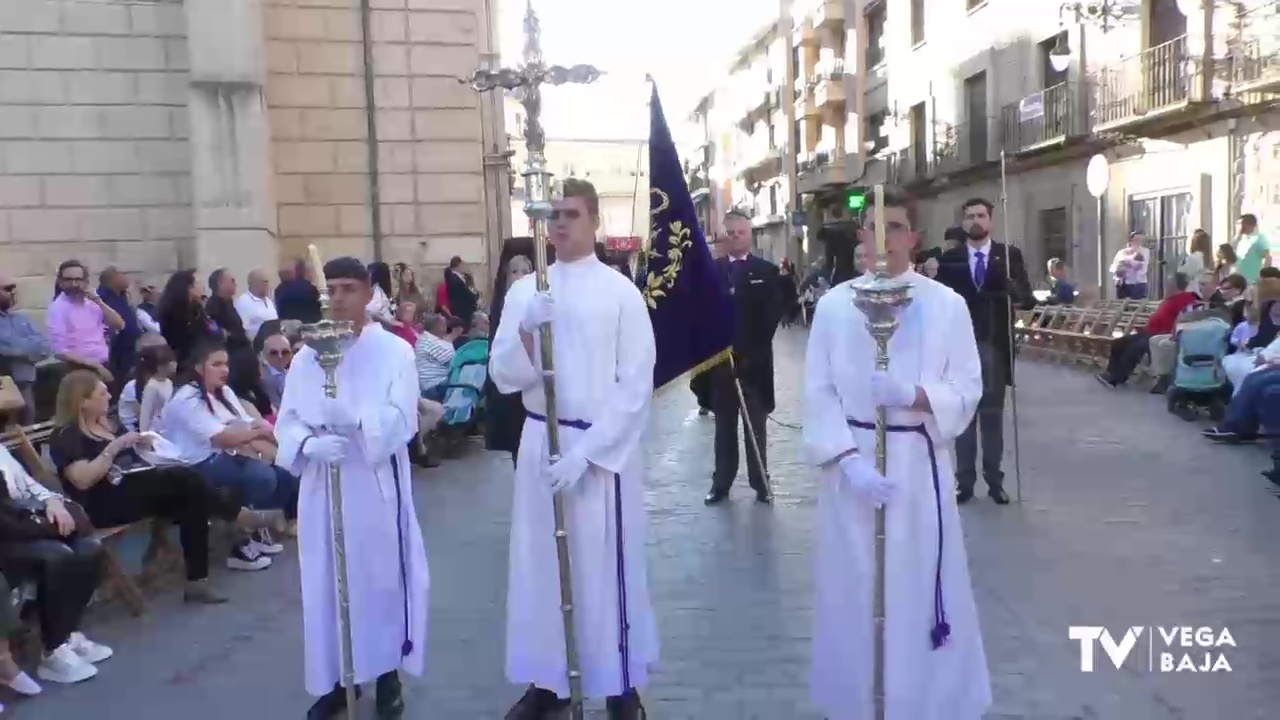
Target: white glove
538	312
863	478
887	392
338	416
566	472
326	448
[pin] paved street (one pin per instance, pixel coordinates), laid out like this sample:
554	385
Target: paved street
1130	519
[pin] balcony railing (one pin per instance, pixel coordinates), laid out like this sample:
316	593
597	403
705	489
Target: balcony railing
828	84
1049	116
905	167
1257	67
1161	78
961	146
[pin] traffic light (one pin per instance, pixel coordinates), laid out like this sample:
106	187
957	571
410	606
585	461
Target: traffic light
856	200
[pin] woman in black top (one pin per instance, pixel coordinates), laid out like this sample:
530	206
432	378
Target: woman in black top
94	466
245	379
183	321
504	414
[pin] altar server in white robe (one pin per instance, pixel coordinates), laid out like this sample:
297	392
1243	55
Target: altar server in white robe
604	357
365	432
934	663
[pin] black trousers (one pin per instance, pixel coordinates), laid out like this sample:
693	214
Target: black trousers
173	493
728	415
66	572
987	424
1126	354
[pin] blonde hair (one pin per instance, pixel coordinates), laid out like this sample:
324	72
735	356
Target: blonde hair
75	388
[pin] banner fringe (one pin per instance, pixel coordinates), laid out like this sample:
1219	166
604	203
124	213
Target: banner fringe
698	369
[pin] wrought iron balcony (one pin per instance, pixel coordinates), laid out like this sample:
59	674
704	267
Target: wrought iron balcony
959	147
1162	79
1044	118
905	166
1257	68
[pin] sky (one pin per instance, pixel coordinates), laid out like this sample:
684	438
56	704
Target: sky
685	45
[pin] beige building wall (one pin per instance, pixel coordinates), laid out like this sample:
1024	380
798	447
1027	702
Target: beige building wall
115	148
94	156
619	170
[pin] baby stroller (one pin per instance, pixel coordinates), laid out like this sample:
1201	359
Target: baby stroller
1199	382
464	395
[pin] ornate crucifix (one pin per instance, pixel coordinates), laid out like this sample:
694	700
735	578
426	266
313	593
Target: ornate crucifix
527	80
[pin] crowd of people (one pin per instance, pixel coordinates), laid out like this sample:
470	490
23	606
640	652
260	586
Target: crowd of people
166	408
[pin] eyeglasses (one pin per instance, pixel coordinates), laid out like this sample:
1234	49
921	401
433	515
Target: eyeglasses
280	353
571	214
74	280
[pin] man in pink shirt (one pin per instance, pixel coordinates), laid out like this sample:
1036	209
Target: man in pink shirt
78	321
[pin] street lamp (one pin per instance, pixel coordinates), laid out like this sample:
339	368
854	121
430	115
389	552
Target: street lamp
1102	13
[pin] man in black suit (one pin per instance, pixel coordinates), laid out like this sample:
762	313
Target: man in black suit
462	296
754	285
992	279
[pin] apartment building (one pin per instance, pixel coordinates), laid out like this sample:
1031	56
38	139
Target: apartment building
746	161
163	134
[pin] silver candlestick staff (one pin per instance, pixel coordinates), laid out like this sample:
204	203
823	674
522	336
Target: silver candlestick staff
881	298
527	80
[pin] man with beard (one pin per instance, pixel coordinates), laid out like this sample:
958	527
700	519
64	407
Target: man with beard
992	279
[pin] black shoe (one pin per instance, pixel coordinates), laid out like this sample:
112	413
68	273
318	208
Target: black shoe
389	697
963	496
763	497
1273	475
1161	386
536	704
626	706
715	496
1223	435
330	705
999	496
703	412
1105	379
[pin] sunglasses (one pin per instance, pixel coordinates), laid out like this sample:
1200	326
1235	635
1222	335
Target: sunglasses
280	353
571	214
9	288
71	279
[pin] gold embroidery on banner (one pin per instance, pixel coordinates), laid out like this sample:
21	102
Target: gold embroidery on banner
679	238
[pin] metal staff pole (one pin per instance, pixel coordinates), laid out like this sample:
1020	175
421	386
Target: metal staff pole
881	298
528	80
327	338
1008	294
752	439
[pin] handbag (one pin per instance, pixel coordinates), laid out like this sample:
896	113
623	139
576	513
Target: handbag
27	520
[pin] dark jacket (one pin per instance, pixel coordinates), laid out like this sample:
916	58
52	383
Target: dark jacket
298	299
123	348
184	327
756	293
1004	290
462	299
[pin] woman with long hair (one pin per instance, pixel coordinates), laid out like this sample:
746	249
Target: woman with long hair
154	378
379	308
183	320
216	437
1224	261
1199	257
505	413
408	291
104	474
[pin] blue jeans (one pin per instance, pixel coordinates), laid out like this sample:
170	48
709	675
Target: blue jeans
259	485
1246	409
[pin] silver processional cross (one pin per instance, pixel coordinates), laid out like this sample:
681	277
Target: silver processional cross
527	80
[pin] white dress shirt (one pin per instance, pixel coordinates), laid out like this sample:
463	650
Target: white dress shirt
1131	269
254	312
985	249
190	426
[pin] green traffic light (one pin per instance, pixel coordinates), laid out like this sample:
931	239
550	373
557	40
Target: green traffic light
857	201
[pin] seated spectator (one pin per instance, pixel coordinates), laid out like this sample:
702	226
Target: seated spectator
223	444
154	378
103	473
1244	331
78	322
1127	352
130	402
434	355
1245	412
297	297
1231	297
11	674
1061	290
275	355
256	305
40	542
403	327
21	347
1239	364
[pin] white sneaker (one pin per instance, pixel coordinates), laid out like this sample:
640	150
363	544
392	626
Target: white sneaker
65	666
88	650
24	685
246	556
265	544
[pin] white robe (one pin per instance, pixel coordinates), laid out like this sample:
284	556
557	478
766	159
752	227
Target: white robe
934	349
604	357
378	378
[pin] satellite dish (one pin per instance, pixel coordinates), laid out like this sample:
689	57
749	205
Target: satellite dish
1098	176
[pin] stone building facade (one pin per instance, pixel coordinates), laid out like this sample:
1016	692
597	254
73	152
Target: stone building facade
163	134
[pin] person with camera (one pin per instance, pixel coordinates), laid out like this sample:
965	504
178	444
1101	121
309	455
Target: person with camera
1130	268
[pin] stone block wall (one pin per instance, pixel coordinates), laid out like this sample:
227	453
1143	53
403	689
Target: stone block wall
430	153
94	156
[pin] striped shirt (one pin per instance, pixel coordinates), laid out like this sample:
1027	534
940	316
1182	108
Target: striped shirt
433	357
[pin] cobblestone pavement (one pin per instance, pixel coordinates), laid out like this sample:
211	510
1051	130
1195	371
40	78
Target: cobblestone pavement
1129	519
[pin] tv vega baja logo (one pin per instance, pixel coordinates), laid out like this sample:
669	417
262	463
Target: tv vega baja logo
1169	649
